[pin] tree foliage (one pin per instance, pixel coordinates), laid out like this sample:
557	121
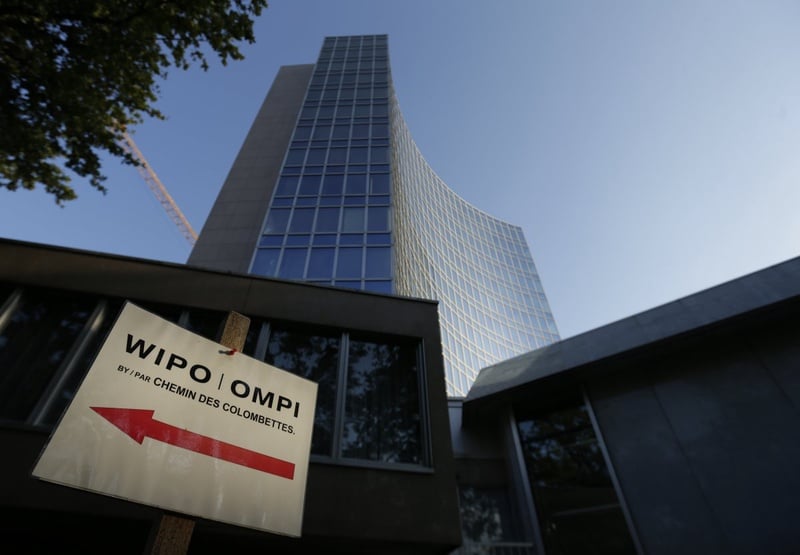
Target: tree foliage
75	73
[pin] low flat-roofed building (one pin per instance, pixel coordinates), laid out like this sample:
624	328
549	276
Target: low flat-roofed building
381	478
676	430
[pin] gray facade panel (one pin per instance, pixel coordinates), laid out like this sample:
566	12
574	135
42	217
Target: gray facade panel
668	508
238	214
779	352
706	447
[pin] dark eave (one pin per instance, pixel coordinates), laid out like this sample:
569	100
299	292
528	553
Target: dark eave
762	292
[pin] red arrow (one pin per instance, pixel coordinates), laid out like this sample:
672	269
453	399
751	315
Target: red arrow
139	424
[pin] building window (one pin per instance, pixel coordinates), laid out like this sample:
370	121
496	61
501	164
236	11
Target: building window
35	340
266	262
487	520
382	409
578	508
293	263
381	396
314	356
370	387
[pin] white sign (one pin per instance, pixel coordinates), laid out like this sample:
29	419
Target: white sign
170	419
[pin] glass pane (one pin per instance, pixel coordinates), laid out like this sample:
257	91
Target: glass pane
207	323
287	186
353	200
351	239
320	264
382	420
570	483
295	157
379	262
486	515
266	262
360	131
341	131
327	220
70	385
301	220
277	220
302	133
310	185
353	219
40	333
382	286
337	156
297	240
356	184
270	241
324	239
358	155
379	239
316	156
322	132
379	155
378	218
316	358
349	263
379	184
333	185
380	130
5	292
293	263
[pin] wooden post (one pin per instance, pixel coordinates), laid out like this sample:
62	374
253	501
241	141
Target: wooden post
174	531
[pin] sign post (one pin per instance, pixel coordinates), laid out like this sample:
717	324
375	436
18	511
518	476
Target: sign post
167	418
173	533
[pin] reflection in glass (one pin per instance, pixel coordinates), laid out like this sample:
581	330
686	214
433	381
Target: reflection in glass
353	219
316	358
379	262
286	186
575	499
349	263
486	515
301	220
382	416
34	343
320	264
70	385
293	263
266	262
327	220
276	221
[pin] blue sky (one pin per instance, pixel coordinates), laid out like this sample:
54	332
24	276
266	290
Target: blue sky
648	149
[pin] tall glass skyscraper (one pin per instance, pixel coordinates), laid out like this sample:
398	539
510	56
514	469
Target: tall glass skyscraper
329	188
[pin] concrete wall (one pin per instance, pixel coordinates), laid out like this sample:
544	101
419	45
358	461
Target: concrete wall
705	440
231	231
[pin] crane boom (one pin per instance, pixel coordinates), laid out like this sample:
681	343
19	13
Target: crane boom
152	180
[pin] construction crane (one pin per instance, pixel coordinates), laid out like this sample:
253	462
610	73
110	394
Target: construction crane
152	180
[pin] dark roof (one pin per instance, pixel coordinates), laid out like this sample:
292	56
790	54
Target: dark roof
753	292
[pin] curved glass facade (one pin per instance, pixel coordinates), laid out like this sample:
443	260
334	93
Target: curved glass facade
491	302
357	206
